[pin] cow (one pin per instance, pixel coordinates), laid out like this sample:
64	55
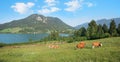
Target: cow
96	44
53	46
81	45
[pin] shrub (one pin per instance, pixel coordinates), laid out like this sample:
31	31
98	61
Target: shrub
2	44
80	38
70	40
107	35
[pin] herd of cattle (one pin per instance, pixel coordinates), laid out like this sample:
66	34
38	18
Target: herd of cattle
94	44
80	45
56	45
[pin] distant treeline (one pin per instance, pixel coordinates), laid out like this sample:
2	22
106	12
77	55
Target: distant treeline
93	31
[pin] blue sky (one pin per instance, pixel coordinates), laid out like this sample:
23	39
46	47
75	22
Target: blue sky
72	12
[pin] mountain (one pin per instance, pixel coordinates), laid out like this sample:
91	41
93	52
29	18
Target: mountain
35	24
102	21
81	25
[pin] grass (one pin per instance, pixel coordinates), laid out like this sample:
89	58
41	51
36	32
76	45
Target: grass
12	30
39	52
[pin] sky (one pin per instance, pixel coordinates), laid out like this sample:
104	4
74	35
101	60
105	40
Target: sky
72	12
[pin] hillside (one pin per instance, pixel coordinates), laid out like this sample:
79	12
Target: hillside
40	52
102	21
35	24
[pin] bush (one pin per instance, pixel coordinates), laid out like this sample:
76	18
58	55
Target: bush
2	44
80	38
70	40
107	35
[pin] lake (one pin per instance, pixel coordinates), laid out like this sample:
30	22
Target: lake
18	38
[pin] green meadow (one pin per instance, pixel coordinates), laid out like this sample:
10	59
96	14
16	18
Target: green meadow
67	52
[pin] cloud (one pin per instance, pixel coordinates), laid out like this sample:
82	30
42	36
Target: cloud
73	5
22	8
50	7
47	11
51	2
89	4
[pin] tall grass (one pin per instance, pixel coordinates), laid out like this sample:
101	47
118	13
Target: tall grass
39	52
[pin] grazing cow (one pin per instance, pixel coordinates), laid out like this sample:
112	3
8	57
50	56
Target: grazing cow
53	46
96	44
81	45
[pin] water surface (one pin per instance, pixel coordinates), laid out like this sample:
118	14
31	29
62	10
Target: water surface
18	38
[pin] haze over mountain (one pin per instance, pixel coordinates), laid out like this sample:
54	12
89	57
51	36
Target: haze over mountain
101	21
35	24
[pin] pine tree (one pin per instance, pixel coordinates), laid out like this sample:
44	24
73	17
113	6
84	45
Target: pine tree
76	33
112	29
89	32
82	31
105	28
118	29
92	30
100	32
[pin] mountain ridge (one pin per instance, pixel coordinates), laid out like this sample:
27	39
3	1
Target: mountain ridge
35	23
101	21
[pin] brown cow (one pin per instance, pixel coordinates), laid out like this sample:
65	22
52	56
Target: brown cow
96	44
81	45
53	46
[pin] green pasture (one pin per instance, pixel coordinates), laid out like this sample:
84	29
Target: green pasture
67	52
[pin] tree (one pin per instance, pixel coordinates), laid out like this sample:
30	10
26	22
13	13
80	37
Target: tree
105	28
112	29
80	34
83	31
77	33
118	29
100	32
54	35
92	30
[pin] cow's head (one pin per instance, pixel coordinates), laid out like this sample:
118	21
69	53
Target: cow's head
101	44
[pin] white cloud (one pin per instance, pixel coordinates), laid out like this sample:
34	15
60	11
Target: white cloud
89	4
22	7
47	11
51	2
30	4
50	7
73	5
